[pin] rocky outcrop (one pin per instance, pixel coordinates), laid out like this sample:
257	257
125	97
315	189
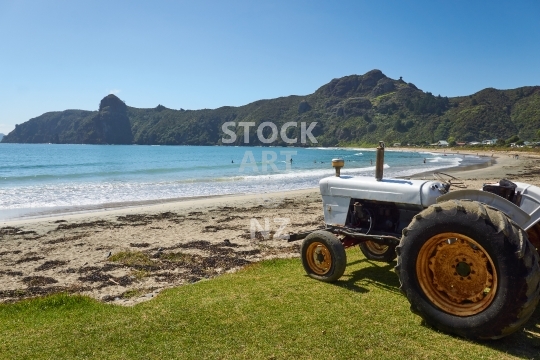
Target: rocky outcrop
113	121
370	80
383	86
109	125
353	85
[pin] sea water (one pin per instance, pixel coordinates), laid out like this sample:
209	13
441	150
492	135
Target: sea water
40	179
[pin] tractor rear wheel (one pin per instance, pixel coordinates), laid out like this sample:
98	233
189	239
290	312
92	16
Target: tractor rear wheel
467	269
323	256
378	252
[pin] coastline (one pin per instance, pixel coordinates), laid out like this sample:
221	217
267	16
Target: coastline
110	211
22	216
82	252
500	165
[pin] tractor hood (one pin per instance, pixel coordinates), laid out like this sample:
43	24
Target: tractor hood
337	193
412	192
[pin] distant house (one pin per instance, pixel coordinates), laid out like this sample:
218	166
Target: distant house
440	143
474	143
489	142
461	143
397	144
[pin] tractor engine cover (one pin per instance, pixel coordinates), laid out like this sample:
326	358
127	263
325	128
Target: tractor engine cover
337	193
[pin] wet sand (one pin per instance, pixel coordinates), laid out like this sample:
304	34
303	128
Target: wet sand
129	255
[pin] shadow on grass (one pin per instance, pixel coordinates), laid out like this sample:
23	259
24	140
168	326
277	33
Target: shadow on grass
376	274
524	343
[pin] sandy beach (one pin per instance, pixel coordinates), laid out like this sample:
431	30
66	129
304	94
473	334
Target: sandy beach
129	255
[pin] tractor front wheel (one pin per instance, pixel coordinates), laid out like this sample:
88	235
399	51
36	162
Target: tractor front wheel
467	269
323	256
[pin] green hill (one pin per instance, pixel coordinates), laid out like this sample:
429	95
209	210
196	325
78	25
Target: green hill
352	110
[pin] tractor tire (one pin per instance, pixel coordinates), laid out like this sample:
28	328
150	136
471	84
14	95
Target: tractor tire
323	256
377	252
467	269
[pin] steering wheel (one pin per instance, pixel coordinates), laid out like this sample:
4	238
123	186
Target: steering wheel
449	180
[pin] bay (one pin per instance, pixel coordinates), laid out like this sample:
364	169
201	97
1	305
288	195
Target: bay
39	179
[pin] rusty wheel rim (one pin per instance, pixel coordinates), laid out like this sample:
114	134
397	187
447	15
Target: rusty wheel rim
456	274
319	258
375	248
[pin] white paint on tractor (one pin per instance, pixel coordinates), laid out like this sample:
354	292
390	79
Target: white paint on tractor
337	193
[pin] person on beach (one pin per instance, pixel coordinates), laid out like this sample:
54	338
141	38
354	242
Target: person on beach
424	160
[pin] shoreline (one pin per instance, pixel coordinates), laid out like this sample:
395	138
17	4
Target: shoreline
107	208
499	165
151	206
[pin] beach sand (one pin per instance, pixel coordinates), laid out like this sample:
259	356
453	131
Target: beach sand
128	255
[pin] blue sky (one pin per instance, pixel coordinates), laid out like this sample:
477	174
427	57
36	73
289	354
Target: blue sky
58	55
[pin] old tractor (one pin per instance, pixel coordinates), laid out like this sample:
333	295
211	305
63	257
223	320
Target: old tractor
467	260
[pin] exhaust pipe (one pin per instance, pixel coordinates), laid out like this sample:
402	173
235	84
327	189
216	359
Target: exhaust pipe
338	164
379	163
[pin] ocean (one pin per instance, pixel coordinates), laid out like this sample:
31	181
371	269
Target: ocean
42	179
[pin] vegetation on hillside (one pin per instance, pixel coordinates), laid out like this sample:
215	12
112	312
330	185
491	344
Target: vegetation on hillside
353	110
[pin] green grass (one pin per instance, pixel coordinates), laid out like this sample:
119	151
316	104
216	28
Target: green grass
131	258
269	310
134	293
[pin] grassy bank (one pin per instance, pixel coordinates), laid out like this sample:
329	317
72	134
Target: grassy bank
269	310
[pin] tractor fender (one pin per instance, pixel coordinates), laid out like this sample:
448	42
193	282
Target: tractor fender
519	216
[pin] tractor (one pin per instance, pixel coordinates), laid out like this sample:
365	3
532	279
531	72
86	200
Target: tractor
467	260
